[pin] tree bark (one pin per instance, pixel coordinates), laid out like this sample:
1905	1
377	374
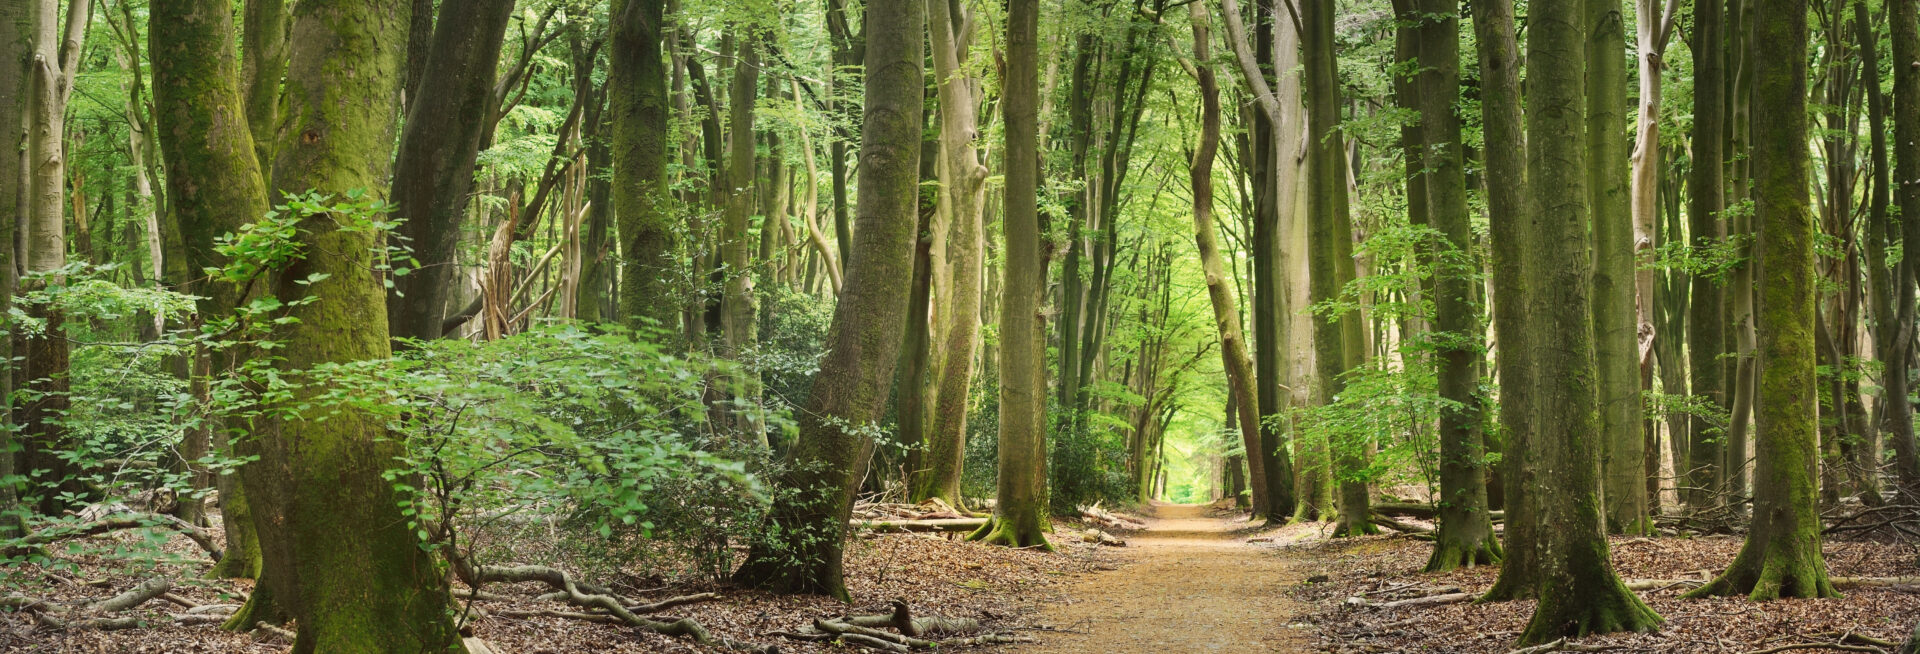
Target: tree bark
1704	337
739	308
433	172
1020	513
637	97
1579	592
16	48
1465	535
1616	341
1904	32
808	526
1781	557
331	529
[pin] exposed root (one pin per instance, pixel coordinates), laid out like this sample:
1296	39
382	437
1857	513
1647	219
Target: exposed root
116	522
86	616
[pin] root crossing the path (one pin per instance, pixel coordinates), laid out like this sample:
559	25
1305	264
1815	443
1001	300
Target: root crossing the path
1188	584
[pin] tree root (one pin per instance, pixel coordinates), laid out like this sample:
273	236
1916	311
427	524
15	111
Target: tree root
113	523
866	631
599	597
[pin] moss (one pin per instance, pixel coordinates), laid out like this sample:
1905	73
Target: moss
1012	533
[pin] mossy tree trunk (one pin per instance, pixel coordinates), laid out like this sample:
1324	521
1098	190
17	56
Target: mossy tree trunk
637	100
1339	340
1616	332
215	182
331	528
1465	535
1705	341
1882	280
739	307
963	191
16	48
263	62
1579	592
1020	513
806	532
1782	556
447	110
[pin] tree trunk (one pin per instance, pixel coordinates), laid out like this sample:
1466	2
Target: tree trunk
1579	592
1020	513
1650	35
433	172
1339	341
1616	342
1465	534
807	534
331	527
16	49
739	314
1704	337
1881	279
263	61
1904	32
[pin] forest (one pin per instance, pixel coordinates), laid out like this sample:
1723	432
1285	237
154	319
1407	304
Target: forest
504	326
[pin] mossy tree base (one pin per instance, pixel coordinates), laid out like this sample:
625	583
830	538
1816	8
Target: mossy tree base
1763	572
1353	523
1454	554
261	606
1011	533
1571	612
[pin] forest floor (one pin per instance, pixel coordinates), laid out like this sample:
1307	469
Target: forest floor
1190	583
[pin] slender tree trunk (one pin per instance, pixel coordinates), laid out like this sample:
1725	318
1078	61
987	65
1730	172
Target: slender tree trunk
1020	512
263	62
739	315
807	530
1465	535
1904	32
1579	592
16	50
1704	333
1782	557
1339	341
1650	35
1616	342
433	172
1881	278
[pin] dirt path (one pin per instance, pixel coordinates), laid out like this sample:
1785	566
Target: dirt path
1188	585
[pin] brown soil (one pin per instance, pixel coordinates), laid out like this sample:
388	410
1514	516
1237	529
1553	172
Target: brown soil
1189	583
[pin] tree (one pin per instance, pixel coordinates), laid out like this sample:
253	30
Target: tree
1338	337
739	307
1904	32
1510	226
16	46
330	524
1579	593
1465	534
963	181
214	179
637	95
433	172
1704	334
805	534
1226	316
1616	331
1781	557
1020	513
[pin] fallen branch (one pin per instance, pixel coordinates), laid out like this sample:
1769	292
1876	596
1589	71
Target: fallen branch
112	523
1421	511
1835	645
64	617
903	621
919	526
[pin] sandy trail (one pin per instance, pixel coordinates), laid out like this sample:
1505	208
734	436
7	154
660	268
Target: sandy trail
1189	584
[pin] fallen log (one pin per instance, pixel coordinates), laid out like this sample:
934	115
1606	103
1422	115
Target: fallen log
1420	510
942	525
59	616
903	621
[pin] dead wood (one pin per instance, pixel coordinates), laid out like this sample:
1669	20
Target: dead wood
919	526
112	523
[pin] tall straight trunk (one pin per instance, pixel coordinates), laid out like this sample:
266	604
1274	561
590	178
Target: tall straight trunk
1782	557
16	48
55	60
739	309
1339	341
637	100
1650	37
1465	535
1226	316
1904	31
1020	512
963	191
910	389
215	181
1881	278
806	537
848	53
1616	342
433	172
1509	224
357	577
1704	332
1579	592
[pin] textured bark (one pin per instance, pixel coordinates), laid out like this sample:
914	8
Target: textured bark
330	522
216	185
1465	534
1616	342
1226	316
1904	31
739	307
1579	592
16	48
963	191
1704	337
433	173
1651	31
807	527
1020	513
637	101
1881	278
1339	341
263	62
1781	557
